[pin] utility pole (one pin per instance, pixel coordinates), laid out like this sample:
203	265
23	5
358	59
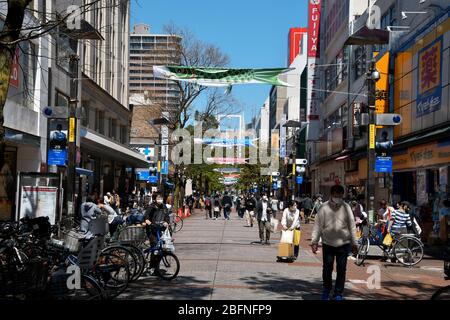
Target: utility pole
372	77
72	133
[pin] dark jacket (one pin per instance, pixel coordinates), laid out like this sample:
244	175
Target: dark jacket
250	204
227	201
157	214
259	210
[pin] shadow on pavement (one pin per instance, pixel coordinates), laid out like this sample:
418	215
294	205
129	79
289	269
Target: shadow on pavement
182	288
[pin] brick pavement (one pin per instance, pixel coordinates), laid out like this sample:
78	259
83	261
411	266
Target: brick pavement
219	261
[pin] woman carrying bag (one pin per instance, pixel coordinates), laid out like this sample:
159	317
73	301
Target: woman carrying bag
291	222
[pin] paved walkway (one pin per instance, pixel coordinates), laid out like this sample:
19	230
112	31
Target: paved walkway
219	261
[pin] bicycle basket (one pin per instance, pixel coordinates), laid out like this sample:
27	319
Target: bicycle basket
132	234
72	240
99	226
90	252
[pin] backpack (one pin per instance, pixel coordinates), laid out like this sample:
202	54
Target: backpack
208	202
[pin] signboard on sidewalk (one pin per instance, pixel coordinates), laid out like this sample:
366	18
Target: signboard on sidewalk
39	202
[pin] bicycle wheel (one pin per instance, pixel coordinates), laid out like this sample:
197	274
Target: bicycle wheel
168	266
442	294
408	250
90	289
140	259
113	273
127	254
363	250
177	224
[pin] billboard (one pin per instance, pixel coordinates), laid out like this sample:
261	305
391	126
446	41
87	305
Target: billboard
429	84
57	146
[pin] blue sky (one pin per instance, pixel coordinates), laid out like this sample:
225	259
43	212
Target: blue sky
254	33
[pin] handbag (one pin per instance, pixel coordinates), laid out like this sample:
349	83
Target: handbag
297	237
387	241
287	236
274	224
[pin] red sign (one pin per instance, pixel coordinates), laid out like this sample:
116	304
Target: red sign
295	42
14	81
314	28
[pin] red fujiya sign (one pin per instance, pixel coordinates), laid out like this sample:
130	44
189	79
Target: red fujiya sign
314	28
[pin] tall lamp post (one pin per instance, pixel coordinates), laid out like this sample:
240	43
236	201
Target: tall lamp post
362	37
373	75
301	126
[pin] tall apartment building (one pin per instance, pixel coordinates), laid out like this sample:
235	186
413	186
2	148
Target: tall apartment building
149	95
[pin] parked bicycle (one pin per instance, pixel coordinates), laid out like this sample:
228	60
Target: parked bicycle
405	248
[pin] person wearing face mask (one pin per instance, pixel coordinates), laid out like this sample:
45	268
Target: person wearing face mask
156	218
291	221
335	224
263	215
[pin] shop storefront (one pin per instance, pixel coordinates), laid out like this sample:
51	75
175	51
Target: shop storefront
326	175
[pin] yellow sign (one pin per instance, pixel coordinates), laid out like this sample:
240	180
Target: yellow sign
382	85
159	166
72	130
372	136
293	169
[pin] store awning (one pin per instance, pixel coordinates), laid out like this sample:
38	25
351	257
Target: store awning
424	136
23	138
84	172
111	150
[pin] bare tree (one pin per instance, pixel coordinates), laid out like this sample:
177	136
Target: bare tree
194	52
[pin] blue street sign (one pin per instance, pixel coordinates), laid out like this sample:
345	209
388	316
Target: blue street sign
164	167
57	157
299	179
143	175
153	179
383	164
275	186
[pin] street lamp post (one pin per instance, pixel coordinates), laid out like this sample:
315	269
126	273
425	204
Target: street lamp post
372	77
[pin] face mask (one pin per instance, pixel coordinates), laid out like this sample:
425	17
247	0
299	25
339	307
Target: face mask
337	200
265	198
159	201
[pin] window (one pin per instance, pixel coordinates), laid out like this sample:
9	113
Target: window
85	119
113	128
389	18
124	134
100	121
29	67
65	47
359	64
61	100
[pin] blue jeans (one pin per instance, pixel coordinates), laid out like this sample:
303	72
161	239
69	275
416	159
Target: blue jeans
226	212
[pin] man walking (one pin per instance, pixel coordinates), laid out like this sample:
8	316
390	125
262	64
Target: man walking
336	226
250	204
263	215
227	203
307	205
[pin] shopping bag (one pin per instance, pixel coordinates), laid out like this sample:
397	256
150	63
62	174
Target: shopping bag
167	241
287	236
387	240
297	237
274	224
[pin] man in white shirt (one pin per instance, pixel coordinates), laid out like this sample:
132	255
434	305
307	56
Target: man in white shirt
263	215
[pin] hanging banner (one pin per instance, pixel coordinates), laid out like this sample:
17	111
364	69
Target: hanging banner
15	70
226	142
220	77
283	137
429	84
312	108
382	85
